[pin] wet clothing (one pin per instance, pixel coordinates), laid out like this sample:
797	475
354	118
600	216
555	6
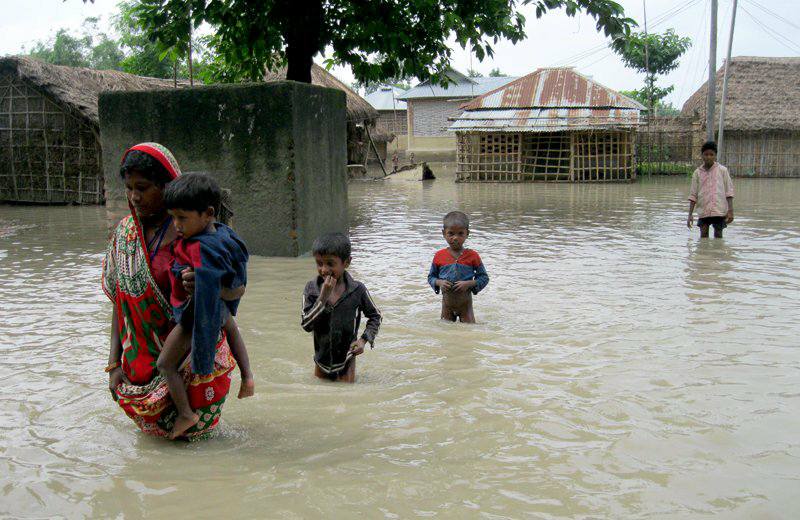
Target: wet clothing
718	222
466	267
710	190
139	289
335	327
219	259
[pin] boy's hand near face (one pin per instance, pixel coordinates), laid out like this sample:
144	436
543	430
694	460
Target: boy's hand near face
327	288
357	347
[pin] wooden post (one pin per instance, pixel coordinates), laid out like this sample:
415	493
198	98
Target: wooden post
80	166
572	157
374	149
712	74
720	133
11	140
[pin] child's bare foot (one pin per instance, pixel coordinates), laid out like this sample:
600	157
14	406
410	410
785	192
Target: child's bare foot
248	388
183	423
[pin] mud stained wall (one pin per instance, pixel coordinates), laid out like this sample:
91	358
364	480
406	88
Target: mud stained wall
279	147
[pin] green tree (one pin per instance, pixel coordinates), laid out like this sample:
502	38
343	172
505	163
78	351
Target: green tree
495	73
654	55
378	39
660	108
472	73
142	56
63	49
92	48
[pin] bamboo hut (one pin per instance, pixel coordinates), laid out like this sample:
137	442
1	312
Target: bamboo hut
762	116
551	125
361	117
49	147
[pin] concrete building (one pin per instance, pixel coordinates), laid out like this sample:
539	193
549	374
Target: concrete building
280	148
431	107
392	119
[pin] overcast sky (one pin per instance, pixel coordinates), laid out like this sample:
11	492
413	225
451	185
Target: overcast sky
763	28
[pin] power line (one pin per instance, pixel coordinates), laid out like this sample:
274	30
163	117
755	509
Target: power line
694	61
774	14
786	42
663	17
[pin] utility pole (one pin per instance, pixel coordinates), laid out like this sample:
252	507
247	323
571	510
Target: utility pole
712	74
721	130
649	87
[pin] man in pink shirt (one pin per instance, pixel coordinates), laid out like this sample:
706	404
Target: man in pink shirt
711	193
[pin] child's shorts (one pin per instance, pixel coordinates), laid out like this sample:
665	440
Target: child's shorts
718	222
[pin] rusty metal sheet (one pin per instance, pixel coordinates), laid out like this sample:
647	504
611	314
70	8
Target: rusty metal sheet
546	119
552	87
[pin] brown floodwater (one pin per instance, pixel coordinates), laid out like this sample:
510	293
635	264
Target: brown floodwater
621	368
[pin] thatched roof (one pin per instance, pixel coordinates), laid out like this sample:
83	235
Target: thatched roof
358	110
76	88
762	95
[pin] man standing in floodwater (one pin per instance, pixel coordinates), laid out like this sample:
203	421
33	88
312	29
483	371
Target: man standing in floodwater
711	193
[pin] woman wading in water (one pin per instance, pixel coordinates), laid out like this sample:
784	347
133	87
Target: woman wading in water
136	280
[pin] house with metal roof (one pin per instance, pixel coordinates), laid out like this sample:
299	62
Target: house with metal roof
431	107
553	124
392	119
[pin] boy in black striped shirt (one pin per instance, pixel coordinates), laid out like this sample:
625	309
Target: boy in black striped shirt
332	306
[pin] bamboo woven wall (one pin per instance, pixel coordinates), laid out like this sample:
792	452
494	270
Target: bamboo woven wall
46	154
762	154
583	156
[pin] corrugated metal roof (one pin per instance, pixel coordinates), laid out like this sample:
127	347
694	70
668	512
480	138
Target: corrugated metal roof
552	87
382	98
461	87
545	119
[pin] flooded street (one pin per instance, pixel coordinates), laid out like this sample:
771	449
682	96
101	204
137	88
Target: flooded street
621	368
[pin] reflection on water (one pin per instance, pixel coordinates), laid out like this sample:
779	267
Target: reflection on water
621	368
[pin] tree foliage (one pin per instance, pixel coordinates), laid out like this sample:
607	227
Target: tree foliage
91	48
654	55
660	108
495	73
378	39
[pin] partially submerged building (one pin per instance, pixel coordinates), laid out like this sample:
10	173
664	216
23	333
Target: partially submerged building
391	109
392	120
431	108
49	129
762	122
554	124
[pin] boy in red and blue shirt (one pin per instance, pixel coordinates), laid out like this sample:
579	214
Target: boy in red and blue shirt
456	271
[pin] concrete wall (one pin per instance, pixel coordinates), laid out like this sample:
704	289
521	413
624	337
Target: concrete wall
279	147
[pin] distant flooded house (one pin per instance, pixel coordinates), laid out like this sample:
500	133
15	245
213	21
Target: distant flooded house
49	127
554	124
392	119
431	107
762	116
361	117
